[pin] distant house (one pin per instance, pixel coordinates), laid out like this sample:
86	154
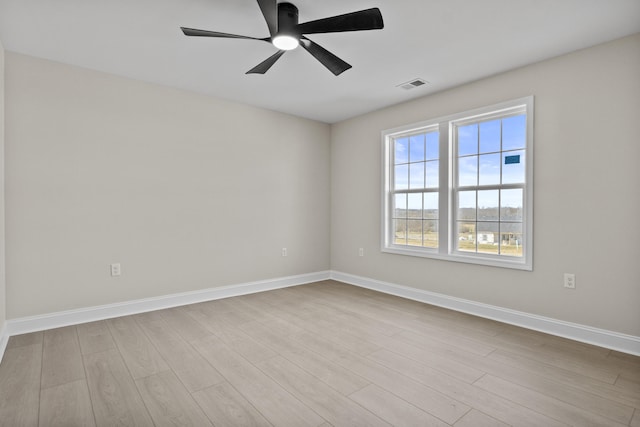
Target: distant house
486	237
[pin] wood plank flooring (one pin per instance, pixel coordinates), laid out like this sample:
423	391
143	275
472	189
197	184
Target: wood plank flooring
324	354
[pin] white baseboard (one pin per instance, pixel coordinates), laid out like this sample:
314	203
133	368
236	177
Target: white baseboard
600	337
90	314
587	334
4	340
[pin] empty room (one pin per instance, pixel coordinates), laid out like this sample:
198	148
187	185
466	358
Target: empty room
329	213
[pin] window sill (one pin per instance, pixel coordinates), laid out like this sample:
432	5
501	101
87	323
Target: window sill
486	260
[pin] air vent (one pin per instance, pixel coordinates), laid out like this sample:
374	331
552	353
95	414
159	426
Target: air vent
412	84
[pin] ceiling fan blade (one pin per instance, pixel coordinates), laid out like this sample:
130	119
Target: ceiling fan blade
336	65
269	10
369	19
204	33
264	66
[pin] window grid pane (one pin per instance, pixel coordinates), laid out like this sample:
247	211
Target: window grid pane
400	231
415	219
430	234
401	151
415	167
414	232
490	221
416	148
483	223
416	175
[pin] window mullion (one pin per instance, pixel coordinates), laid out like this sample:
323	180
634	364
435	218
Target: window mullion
444	188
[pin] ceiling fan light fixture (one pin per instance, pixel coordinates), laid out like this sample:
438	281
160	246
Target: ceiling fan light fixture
285	42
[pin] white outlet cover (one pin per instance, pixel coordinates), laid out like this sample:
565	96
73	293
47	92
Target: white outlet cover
569	280
116	270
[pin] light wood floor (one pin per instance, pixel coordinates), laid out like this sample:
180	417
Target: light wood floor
325	354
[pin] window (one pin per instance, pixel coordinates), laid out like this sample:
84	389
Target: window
460	188
416	177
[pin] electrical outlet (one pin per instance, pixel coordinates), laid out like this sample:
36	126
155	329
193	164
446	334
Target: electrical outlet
116	270
284	251
361	252
569	280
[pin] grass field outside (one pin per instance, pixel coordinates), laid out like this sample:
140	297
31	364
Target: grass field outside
509	245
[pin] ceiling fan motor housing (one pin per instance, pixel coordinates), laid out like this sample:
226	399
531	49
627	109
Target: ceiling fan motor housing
288	20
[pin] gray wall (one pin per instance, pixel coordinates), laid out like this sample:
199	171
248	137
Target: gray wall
187	192
3	311
190	192
587	150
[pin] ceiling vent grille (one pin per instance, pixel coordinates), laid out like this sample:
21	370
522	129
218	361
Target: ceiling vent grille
412	84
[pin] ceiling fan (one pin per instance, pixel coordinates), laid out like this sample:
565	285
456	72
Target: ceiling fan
287	34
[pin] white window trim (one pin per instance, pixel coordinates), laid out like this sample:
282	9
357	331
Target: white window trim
446	250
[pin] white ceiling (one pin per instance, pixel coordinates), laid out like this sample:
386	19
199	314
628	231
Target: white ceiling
446	42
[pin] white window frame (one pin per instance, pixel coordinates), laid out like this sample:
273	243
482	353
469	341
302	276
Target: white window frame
447	187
